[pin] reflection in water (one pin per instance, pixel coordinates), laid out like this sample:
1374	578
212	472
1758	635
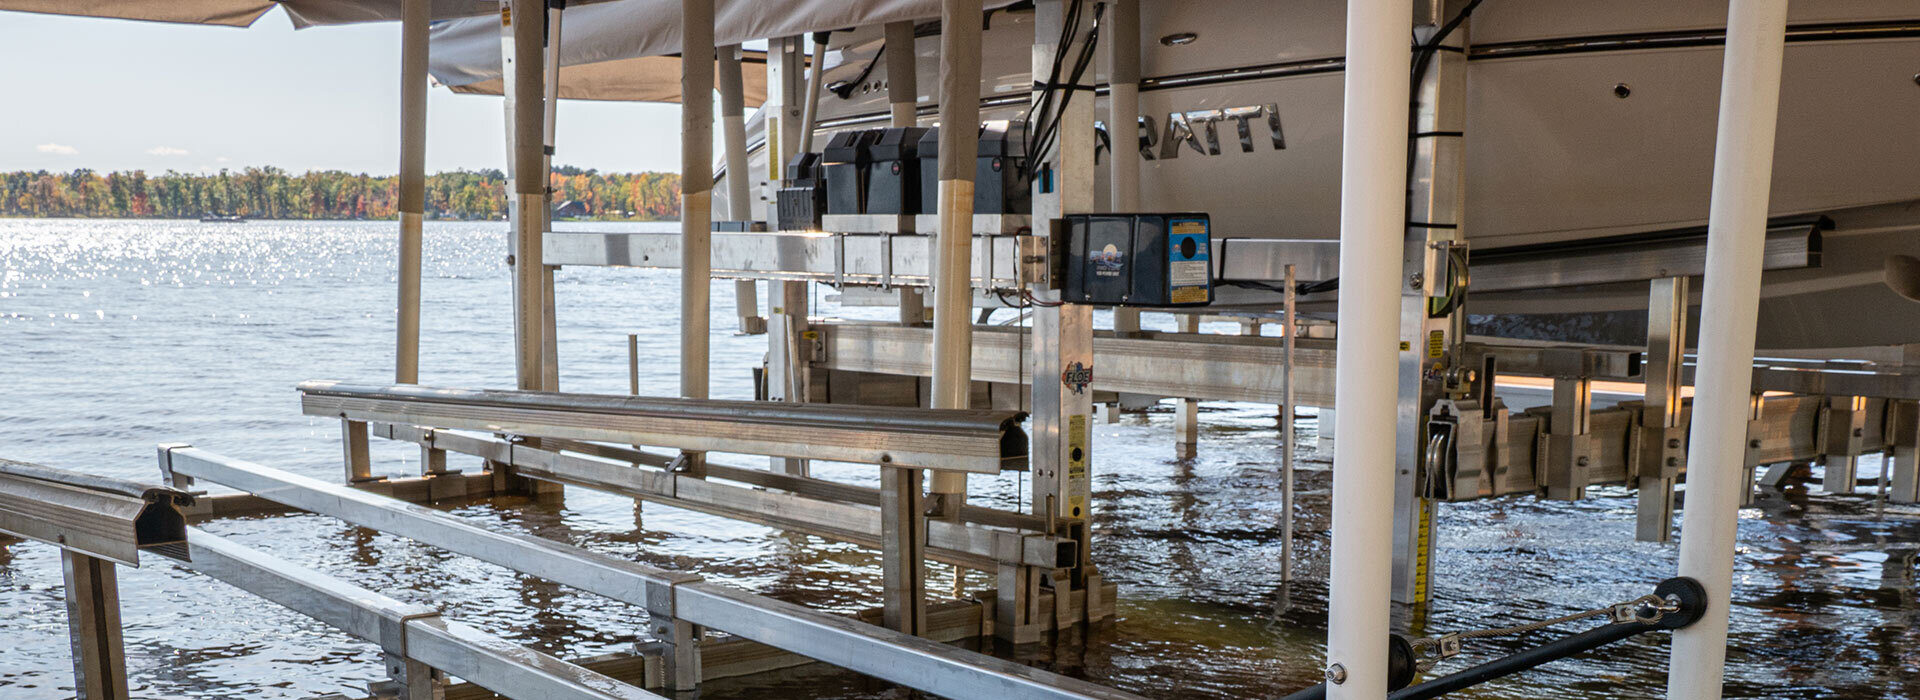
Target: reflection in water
119	335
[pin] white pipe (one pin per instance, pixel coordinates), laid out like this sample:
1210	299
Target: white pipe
960	34
520	42
816	69
1729	312
903	100
550	77
1373	178
696	195
733	133
1123	126
413	181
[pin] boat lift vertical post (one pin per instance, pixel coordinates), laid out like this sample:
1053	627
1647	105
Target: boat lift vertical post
1372	228
733	133
1286	429
1905	454
1061	360
93	621
903	101
1123	124
521	37
550	112
696	196
1429	338
960	37
788	377
1662	439
1729	313
415	16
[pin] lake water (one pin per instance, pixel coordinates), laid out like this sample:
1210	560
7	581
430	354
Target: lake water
116	335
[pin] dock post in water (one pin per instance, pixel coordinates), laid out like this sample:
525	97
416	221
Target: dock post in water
1372	225
696	198
733	133
788	376
527	207
1729	315
1662	439
413	185
960	35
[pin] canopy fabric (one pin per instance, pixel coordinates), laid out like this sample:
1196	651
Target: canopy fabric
241	13
643	79
603	45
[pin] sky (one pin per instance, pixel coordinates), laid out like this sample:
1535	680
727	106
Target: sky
120	95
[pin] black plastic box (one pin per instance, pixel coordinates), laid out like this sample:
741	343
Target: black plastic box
802	197
847	159
1158	260
999	172
893	175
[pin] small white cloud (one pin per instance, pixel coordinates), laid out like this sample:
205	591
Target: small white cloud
166	151
56	148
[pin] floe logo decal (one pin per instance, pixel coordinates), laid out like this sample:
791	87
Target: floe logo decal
1077	376
1199	131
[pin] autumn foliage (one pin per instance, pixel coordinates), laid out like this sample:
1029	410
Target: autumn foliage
272	193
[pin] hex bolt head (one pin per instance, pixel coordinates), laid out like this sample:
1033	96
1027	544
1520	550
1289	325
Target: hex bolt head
1336	673
1754	443
1673	461
1673	443
1582	461
1415	280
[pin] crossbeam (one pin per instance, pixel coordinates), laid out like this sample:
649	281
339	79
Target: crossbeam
954	439
102	517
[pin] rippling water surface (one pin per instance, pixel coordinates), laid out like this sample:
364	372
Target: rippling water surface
117	335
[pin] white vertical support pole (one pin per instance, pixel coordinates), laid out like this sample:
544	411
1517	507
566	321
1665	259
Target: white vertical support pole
788	378
1186	412
550	109
93	625
413	184
1373	220
1662	441
1729	312
355	453
816	70
527	207
696	196
960	36
1286	432
903	101
733	133
1123	124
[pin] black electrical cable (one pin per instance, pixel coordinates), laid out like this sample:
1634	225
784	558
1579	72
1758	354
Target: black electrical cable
844	88
1083	61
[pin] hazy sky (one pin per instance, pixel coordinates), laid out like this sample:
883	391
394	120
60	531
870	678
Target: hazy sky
119	95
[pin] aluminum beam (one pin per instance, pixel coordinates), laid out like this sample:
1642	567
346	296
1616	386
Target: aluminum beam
413	631
963	440
910	661
97	516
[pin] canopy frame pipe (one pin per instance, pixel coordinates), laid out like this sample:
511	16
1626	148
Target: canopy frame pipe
733	133
416	15
696	200
527	208
1373	175
960	46
903	100
550	81
816	72
1729	314
1123	125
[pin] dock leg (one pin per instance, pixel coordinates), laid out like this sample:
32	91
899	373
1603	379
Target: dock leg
1569	456
1846	428
356	454
789	377
1186	412
903	533
1905	453
93	622
1662	440
414	680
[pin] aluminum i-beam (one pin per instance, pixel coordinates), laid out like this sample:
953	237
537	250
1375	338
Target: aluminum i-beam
910	661
101	517
403	630
960	440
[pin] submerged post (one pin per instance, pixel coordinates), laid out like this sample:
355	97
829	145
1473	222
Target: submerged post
960	30
527	207
413	184
696	196
93	621
1372	226
1729	313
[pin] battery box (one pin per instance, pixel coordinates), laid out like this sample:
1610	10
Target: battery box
893	176
1138	260
846	159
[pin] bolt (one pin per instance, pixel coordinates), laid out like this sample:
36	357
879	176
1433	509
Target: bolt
1673	461
1336	674
1415	280
1621	90
509	260
1753	444
1673	443
1916	78
1581	462
1859	432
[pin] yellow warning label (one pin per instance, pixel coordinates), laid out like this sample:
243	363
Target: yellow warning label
506	15
1077	486
1405	346
1436	344
1189	295
773	160
1423	553
1189	226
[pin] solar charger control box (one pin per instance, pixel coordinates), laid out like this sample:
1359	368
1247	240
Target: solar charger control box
1138	260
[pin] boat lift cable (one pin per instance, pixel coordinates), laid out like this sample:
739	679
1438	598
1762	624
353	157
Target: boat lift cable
1674	604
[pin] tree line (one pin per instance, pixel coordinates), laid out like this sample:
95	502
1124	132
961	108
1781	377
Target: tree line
273	193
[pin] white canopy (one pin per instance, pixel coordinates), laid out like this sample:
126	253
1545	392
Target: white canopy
241	13
621	50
